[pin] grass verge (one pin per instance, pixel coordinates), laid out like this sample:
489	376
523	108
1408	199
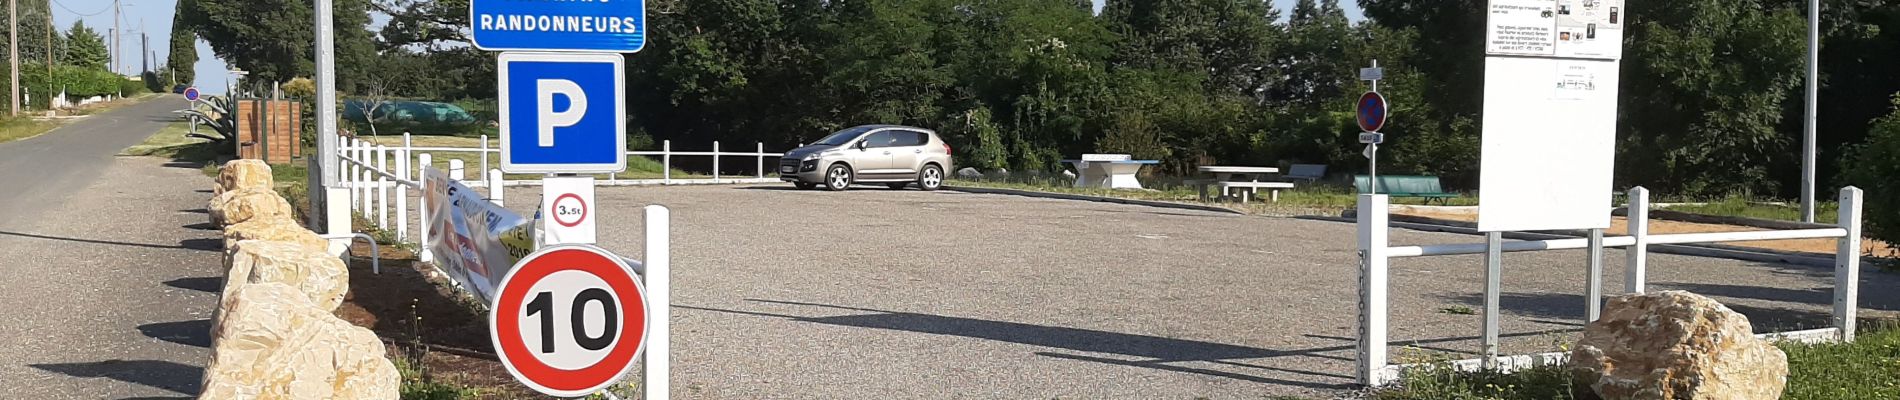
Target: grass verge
1738	206
12	129
1868	368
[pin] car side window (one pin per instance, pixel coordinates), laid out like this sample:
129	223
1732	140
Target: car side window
880	139
911	139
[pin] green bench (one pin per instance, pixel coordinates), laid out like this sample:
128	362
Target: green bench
1405	186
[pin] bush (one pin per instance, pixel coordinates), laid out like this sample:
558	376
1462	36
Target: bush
1874	166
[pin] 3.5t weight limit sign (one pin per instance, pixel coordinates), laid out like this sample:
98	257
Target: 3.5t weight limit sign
569	320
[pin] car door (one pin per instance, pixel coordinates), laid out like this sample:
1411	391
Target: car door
873	157
906	151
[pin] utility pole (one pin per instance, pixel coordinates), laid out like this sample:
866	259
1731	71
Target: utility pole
1813	111
115	36
13	53
51	54
327	161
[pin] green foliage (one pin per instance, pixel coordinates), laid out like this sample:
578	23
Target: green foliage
79	82
272	38
1443	383
181	60
1869	368
85	47
1875	168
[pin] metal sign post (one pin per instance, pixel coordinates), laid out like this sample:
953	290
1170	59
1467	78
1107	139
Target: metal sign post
1372	114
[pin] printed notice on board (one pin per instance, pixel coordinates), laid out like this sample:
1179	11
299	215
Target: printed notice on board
1522	27
1556	28
1578	79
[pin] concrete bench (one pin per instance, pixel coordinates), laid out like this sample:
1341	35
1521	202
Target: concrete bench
1116	171
1252	188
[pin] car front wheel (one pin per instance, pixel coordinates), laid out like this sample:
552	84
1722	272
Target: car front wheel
931	178
838	177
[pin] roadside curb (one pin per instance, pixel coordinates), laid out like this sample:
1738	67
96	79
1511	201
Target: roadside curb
1104	199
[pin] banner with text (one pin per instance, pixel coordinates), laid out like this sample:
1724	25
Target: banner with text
475	242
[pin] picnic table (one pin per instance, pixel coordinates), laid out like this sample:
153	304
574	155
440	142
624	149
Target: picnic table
1115	171
1253	179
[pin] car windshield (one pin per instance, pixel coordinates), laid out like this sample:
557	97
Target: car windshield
842	137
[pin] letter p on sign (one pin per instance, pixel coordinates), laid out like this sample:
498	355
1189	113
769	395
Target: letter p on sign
545	89
562	112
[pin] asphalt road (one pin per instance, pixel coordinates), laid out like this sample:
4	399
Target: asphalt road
108	269
875	293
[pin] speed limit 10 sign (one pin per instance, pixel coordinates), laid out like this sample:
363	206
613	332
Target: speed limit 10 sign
569	320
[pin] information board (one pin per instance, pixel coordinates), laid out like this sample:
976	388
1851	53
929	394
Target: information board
1555	28
1550	97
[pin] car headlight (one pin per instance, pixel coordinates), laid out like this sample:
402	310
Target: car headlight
812	156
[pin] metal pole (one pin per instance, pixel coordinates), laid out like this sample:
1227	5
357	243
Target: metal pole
13	51
1493	275
1635	269
659	286
422	208
1372	289
666	161
1813	110
1593	293
1847	265
1372	173
326	95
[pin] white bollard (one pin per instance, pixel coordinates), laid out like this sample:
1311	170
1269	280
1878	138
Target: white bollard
1636	267
484	153
402	193
659	290
715	161
1372	289
382	187
422	208
761	153
495	191
666	161
1847	265
455	171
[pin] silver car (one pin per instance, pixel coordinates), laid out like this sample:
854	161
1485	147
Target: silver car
889	154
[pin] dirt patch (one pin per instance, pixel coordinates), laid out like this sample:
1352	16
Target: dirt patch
1658	226
423	318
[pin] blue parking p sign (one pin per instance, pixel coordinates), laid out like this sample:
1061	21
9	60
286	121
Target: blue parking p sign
562	113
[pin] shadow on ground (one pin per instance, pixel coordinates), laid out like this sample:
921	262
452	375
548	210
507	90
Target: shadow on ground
195	333
171	376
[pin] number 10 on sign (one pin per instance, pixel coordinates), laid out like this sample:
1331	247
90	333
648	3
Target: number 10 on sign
569	320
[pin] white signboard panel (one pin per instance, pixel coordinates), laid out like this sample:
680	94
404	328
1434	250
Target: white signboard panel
1555	28
1549	144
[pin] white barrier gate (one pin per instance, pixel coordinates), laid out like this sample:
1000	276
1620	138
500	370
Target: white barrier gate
1375	252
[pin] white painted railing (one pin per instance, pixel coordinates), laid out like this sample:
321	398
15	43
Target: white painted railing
762	172
1375	255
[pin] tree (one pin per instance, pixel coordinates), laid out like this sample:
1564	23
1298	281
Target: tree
272	38
1233	40
374	97
182	59
1872	166
85	47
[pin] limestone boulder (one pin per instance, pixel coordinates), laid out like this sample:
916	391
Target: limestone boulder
238	206
281	229
322	277
243	174
1676	345
273	344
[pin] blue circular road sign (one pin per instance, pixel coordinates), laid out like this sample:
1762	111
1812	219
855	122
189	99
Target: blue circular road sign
1372	111
191	93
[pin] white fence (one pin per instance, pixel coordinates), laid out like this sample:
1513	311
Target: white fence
375	172
1376	254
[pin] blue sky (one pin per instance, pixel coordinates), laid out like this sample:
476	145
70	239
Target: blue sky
156	15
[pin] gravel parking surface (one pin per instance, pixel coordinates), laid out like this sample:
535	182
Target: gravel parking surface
875	293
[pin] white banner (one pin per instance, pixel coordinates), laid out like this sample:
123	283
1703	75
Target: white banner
475	242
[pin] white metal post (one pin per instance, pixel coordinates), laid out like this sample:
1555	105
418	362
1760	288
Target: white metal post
422	208
484	162
761	153
382	187
1493	280
402	191
1847	265
345	174
362	175
495	191
1593	290
666	161
1635	271
715	161
456	173
1808	120
1372	221
659	286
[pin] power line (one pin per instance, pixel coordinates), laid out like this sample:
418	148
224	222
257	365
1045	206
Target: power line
70	9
